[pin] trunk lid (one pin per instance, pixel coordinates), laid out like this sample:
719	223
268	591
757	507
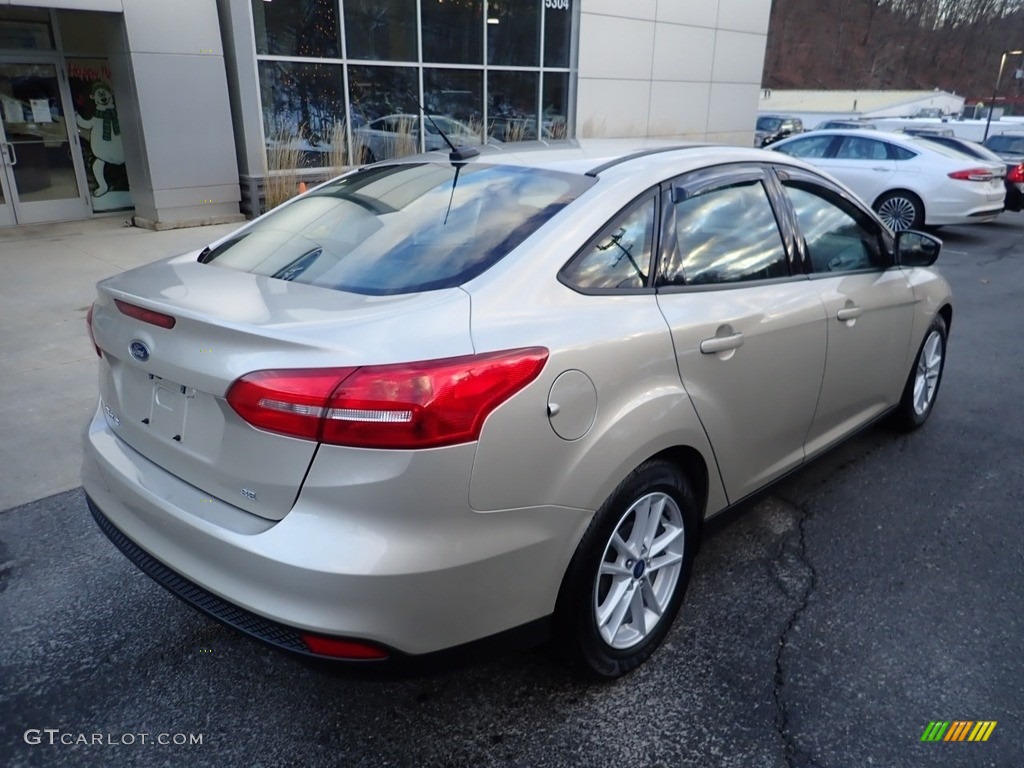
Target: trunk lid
163	390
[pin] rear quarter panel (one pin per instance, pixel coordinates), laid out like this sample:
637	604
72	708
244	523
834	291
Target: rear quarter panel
621	342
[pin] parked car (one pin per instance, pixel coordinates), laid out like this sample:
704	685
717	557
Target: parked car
852	125
399	135
1014	179
772	128
1009	146
910	182
926	131
437	401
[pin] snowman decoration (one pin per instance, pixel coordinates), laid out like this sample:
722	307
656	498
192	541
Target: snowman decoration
104	135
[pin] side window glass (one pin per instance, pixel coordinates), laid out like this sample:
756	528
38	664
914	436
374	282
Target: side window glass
856	148
725	235
839	237
899	153
812	146
621	257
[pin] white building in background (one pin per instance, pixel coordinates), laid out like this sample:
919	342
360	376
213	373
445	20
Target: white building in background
814	107
166	109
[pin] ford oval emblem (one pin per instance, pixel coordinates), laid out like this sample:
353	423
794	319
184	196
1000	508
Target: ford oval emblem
139	351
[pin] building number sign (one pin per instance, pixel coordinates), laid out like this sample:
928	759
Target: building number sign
558	5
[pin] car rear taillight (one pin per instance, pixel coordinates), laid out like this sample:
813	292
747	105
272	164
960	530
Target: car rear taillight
342	649
407	405
973	174
1016	174
92	336
145	315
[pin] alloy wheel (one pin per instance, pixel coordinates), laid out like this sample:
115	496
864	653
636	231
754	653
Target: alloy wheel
898	213
929	367
640	570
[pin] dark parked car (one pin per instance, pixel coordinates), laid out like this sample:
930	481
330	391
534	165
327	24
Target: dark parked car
772	128
1010	148
845	124
927	131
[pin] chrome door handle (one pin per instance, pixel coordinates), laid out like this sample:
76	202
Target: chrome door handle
721	343
849	313
12	158
876	168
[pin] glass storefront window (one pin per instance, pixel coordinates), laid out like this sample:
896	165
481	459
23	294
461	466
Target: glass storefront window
297	28
398	53
385	118
381	29
25	35
512	105
555	106
513	33
452	31
458	95
557	32
303	104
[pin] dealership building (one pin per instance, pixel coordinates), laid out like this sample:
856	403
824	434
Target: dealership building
177	111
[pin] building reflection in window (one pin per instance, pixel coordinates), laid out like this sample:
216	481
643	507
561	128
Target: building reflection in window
512	105
302	104
555	106
457	94
385	118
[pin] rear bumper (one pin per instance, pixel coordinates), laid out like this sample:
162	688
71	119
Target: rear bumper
455	577
972	206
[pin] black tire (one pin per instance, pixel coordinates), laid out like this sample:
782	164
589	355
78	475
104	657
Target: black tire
366	156
585	592
900	210
916	404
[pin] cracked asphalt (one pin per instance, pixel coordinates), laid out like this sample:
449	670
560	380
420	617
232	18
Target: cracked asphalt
877	590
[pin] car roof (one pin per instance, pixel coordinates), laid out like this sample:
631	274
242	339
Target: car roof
612	157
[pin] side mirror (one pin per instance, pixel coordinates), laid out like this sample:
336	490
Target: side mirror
916	249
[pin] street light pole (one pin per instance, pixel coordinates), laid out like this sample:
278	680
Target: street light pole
999	77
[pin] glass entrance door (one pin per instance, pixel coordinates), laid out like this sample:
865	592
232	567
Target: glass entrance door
40	175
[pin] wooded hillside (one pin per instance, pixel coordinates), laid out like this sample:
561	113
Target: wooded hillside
954	45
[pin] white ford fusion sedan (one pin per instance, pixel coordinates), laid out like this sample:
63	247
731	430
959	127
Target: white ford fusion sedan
911	182
451	399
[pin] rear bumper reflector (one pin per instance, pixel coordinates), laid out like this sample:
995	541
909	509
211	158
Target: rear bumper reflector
258	627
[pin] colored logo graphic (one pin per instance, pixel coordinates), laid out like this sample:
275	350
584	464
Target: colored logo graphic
958	730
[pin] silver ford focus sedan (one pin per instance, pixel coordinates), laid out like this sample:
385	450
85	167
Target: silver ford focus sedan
447	399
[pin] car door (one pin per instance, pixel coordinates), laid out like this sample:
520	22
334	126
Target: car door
863	164
749	335
868	303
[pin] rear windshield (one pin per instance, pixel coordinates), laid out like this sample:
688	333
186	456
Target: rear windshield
401	228
1011	145
768	123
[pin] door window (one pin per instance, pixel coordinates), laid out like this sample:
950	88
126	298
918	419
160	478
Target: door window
811	146
725	235
839	236
621	255
857	148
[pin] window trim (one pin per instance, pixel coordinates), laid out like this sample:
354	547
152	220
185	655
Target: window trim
703	180
782	173
653	193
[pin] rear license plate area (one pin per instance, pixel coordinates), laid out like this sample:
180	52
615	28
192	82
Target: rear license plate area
168	413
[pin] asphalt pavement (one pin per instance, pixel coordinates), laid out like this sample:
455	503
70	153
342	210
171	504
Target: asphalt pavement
878	590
